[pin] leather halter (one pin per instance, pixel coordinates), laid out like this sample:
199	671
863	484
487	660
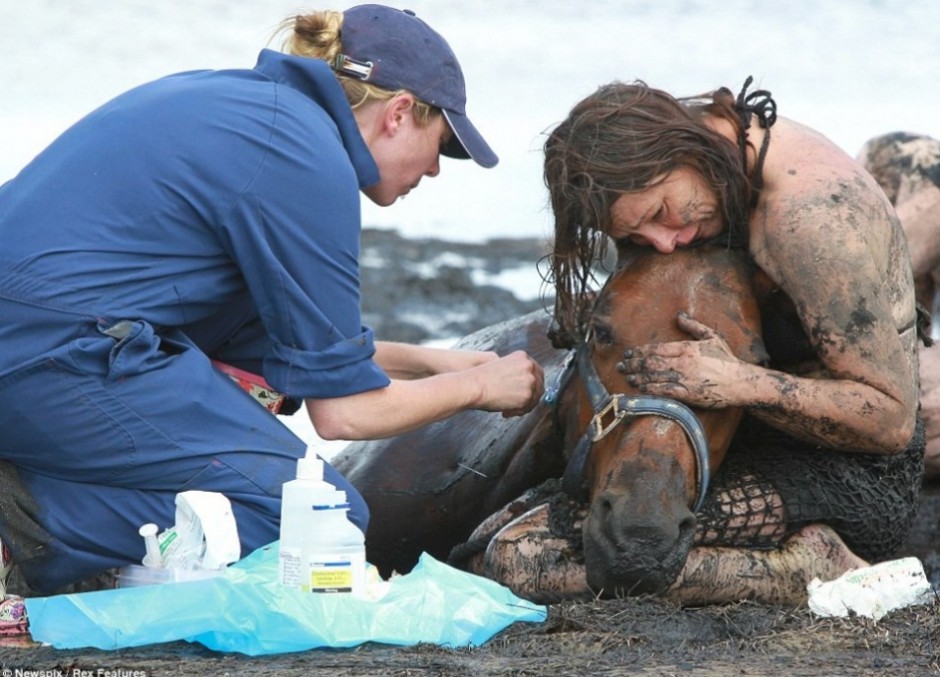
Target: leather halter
612	410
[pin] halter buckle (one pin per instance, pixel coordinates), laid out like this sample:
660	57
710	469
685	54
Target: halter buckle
601	430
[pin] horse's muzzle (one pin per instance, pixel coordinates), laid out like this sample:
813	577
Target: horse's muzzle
642	555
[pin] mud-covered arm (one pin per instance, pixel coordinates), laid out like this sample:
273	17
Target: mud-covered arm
835	250
828	238
829	248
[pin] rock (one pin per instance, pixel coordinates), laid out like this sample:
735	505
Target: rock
423	289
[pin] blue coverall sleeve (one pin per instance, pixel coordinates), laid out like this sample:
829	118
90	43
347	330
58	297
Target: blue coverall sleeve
294	232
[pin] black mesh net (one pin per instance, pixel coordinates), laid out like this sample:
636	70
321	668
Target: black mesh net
771	485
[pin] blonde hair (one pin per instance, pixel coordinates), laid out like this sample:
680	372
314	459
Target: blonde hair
317	35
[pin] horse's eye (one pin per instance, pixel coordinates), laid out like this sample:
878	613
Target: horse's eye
603	334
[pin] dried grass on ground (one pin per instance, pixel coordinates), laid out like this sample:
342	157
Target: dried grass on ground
639	636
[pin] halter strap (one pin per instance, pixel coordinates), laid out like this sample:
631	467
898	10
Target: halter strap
611	410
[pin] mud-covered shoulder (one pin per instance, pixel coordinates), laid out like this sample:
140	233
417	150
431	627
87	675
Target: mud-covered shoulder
823	216
831	242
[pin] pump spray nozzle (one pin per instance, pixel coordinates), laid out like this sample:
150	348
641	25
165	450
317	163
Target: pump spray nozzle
153	558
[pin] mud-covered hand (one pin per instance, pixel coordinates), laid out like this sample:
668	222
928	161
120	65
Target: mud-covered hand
702	372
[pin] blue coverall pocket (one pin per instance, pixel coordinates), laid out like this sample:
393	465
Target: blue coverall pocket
136	348
66	428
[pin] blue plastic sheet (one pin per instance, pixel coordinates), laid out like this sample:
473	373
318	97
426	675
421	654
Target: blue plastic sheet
246	610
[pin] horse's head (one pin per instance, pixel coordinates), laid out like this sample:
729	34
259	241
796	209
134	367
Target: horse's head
643	463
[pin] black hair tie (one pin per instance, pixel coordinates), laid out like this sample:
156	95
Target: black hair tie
759	103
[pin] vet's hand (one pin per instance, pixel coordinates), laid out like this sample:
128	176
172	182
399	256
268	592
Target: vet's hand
701	373
458	360
512	384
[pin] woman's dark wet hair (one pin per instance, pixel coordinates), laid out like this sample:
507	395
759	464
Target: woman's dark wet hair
620	140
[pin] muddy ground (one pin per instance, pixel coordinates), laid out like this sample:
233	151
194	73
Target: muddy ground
641	636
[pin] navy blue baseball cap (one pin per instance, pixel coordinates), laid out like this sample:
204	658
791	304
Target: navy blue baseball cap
394	49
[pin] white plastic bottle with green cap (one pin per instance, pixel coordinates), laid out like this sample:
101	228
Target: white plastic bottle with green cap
320	549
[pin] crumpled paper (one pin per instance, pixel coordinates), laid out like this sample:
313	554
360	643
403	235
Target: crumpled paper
247	610
872	591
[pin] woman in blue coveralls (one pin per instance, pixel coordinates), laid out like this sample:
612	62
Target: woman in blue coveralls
214	215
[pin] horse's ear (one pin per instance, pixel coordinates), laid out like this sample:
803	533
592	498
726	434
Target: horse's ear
559	338
575	314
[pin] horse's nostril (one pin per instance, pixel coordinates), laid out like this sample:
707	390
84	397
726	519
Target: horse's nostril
687	525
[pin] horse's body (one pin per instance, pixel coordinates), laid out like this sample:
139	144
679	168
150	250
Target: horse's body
429	489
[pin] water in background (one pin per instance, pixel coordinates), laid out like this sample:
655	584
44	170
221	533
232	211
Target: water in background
851	68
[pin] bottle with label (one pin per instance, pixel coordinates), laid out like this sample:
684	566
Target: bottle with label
320	549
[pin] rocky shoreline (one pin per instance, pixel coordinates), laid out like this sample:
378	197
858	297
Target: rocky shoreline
423	289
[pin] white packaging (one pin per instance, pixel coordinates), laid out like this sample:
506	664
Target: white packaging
320	549
872	591
205	535
200	545
213	512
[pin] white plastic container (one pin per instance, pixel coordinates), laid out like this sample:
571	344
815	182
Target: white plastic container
320	549
134	575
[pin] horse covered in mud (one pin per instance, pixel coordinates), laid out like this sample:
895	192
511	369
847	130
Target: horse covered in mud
639	466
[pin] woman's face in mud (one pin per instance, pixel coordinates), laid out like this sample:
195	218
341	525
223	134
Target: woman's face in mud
673	211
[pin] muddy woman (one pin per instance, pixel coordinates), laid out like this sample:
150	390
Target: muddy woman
824	472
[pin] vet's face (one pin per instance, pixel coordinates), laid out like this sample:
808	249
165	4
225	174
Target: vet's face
406	156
